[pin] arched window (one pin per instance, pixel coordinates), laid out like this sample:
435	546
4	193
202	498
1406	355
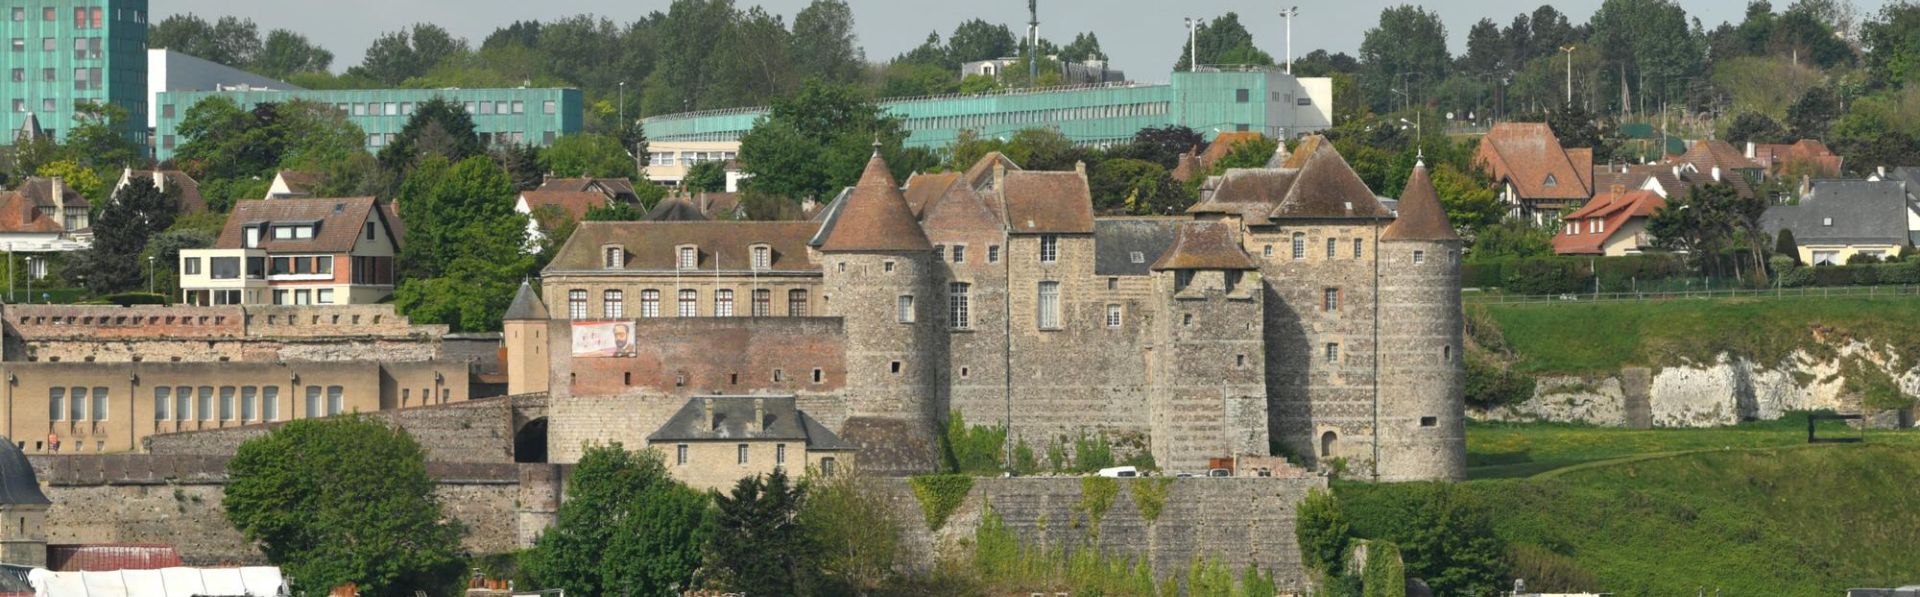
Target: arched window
1327	441
1299	245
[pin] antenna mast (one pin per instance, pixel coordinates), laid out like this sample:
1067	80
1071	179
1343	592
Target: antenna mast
1033	43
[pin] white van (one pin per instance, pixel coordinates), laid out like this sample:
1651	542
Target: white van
1120	472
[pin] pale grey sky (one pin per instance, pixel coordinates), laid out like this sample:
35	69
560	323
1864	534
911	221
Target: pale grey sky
1142	36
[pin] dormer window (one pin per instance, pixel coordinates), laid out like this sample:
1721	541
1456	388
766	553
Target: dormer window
762	257
613	257
689	257
1551	181
293	232
1139	257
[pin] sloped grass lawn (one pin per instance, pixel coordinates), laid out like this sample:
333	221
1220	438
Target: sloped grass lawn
1500	450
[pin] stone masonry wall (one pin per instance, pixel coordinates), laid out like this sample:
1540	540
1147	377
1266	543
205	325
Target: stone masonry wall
473	431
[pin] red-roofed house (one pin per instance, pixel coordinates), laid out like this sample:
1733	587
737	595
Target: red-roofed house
296	252
1532	171
1612	224
1806	157
1199	163
43	215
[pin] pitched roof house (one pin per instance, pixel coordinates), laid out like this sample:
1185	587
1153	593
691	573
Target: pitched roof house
1806	157
292	184
1532	170
43	214
1841	218
183	187
1612	224
1196	162
713	440
297	252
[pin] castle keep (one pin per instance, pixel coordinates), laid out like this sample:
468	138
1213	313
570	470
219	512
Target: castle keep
1289	311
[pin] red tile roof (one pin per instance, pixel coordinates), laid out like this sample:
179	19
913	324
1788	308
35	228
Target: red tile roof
875	216
1805	151
923	189
20	214
574	203
1614	211
1528	155
1711	153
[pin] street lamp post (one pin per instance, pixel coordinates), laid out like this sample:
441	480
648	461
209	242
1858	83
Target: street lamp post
150	260
623	107
1290	13
1568	49
29	279
1193	45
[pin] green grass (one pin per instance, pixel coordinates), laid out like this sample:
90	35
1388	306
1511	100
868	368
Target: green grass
1748	510
1604	337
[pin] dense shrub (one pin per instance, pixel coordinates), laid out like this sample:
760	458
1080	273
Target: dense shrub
1386	574
1489	384
1547	275
1623	274
974	449
1323	533
1444	532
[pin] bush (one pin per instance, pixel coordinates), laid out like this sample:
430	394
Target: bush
1623	274
1547	275
1482	274
125	299
1092	453
1386	575
1862	258
940	495
1489	384
973	450
1832	275
1322	530
1899	272
1444	532
1797	277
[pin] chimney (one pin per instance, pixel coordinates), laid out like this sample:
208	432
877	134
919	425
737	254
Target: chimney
1080	166
706	407
759	415
1618	190
999	175
1881	171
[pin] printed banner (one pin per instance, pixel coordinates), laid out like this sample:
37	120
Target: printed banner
603	339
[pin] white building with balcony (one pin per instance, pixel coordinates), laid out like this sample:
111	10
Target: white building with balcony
297	252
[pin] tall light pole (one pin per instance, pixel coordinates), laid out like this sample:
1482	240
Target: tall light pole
29	279
1569	51
1193	49
623	107
1290	13
1033	43
150	261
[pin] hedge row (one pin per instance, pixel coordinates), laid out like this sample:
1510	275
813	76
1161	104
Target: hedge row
1561	275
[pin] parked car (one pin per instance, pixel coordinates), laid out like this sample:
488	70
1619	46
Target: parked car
1183	475
1219	472
1120	472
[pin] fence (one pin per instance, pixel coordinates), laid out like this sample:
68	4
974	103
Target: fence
1494	298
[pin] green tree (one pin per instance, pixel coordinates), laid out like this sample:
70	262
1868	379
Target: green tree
101	139
77	177
1251	153
231	41
437	127
1784	245
1084	47
286	53
1713	223
120	232
397	56
522	163
1644	42
1041	148
223	141
344	500
1754	127
1222	41
626	528
852	534
464	254
816	142
1405	53
1323	532
1894	41
1162	145
1469	199
1445	535
614	211
1386	575
1576	127
976	39
824	45
706	177
758	546
1512	237
588	154
1117	182
1813	115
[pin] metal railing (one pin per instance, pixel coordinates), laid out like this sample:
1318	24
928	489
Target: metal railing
1477	298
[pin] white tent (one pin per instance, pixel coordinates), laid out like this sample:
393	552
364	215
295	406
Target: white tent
255	581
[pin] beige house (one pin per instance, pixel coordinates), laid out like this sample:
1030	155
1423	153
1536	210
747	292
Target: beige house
669	161
714	441
1839	219
296	252
1611	225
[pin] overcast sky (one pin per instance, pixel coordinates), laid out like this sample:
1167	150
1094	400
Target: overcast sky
1142	36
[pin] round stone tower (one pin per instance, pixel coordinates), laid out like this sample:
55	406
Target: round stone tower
882	281
1421	407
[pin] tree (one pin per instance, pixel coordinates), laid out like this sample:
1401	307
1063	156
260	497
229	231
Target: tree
1894	39
101	138
852	534
1486	50
1715	225
440	202
1446	537
1162	145
397	56
1405	55
1754	127
976	39
1813	115
588	154
824	45
1642	42
816	142
1512	237
614	211
1322	532
1468	198
758	546
344	500
231	41
1222	41
706	177
626	528
1251	153
438	127
120	232
81	179
1042	149
1085	47
522	162
286	53
1386	574
1784	245
1576	127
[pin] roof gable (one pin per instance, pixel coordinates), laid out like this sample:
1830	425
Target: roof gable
1527	155
1048	202
1204	245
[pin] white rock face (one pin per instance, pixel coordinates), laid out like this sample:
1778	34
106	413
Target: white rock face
1723	393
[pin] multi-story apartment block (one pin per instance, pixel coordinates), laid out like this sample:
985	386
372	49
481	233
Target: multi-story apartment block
500	116
61	52
296	252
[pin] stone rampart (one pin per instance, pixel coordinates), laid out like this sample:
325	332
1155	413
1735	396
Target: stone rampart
460	432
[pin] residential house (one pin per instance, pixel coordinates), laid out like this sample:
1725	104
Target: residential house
183	187
44	215
714	441
291	184
297	252
615	189
1842	218
1611	225
1532	171
1720	161
1803	158
1196	162
1672	180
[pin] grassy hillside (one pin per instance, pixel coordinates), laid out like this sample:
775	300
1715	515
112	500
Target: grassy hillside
1749	510
1603	337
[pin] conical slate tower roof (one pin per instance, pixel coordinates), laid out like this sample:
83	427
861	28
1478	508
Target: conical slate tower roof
1421	216
876	217
526	305
18	484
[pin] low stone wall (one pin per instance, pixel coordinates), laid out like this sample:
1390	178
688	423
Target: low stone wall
1241	521
471	431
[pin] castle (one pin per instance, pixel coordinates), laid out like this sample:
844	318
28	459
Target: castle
1290	312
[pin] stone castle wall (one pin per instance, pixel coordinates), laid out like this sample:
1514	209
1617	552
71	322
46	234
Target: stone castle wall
106	333
473	431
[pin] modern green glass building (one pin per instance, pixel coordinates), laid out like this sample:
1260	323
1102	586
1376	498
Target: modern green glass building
1213	101
531	116
61	52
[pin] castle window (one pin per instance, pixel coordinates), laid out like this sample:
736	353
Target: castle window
1429	421
1446	353
1136	257
611	257
1299	246
887	267
763	258
626	378
649	303
958	305
779	375
818	375
679	379
613	303
1419	257
577	303
689	258
1049	248
827	467
723	302
796	303
1266	251
1240	361
779	454
1333	352
689	303
1333	248
1330	300
269	403
741	450
1357	246
1113	316
1181	278
680	455
1047	312
939	252
895	367
1326	444
1113	283
993	253
904	308
162	397
56	401
1233	280
959	253
762	302
1186	319
963	372
733	379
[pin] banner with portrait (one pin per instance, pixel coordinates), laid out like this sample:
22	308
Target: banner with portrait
603	339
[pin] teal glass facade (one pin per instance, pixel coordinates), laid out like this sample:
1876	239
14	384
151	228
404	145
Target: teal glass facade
60	52
531	116
1210	102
